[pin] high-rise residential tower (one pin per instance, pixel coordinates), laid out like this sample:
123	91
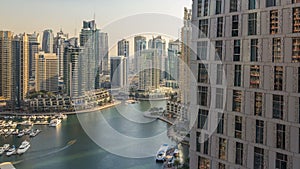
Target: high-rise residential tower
160	44
123	48
172	61
6	62
118	75
48	41
247	67
33	40
20	72
59	45
149	74
46	75
140	44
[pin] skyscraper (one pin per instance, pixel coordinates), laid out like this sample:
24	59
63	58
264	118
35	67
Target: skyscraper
149	74
20	53
118	75
160	44
95	51
123	48
247	53
59	45
172	61
72	70
186	44
46	76
6	63
33	40
48	41
140	44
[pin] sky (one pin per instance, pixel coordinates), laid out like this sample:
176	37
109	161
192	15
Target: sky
28	16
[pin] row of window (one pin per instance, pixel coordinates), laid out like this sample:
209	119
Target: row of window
277	54
255	74
277	103
203	6
281	161
252	24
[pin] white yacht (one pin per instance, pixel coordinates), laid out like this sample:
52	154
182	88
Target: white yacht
6	147
11	151
54	122
23	147
161	153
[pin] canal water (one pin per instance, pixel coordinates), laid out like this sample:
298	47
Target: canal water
89	140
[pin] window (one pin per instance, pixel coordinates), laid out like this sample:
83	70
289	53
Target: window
203	163
252	24
274	22
235	26
219	74
222	166
202	118
236	50
219	98
205	145
238	127
220	128
259	132
220	25
281	161
298	79
198	145
202	73
199	8
251	4
276	50
280	136
278	77
254	76
203	28
258	158
258	104
237	100
239	153
295	1
218	6
296	20
296	50
202	95
254	50
222	148
270	3
202	50
202	8
277	107
237	75
233	5
219	49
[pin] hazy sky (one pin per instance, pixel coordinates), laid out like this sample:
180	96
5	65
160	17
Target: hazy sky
37	15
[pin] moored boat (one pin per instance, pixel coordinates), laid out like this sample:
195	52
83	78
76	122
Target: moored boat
23	147
54	122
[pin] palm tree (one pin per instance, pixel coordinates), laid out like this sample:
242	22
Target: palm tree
176	163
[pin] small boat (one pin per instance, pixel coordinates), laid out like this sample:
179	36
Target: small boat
62	116
161	153
23	147
21	134
11	151
6	147
54	122
35	132
2	150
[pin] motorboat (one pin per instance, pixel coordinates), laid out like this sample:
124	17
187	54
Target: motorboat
21	134
161	153
23	147
54	122
35	132
6	147
11	151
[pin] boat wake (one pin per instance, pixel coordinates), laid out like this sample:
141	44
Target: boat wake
70	143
